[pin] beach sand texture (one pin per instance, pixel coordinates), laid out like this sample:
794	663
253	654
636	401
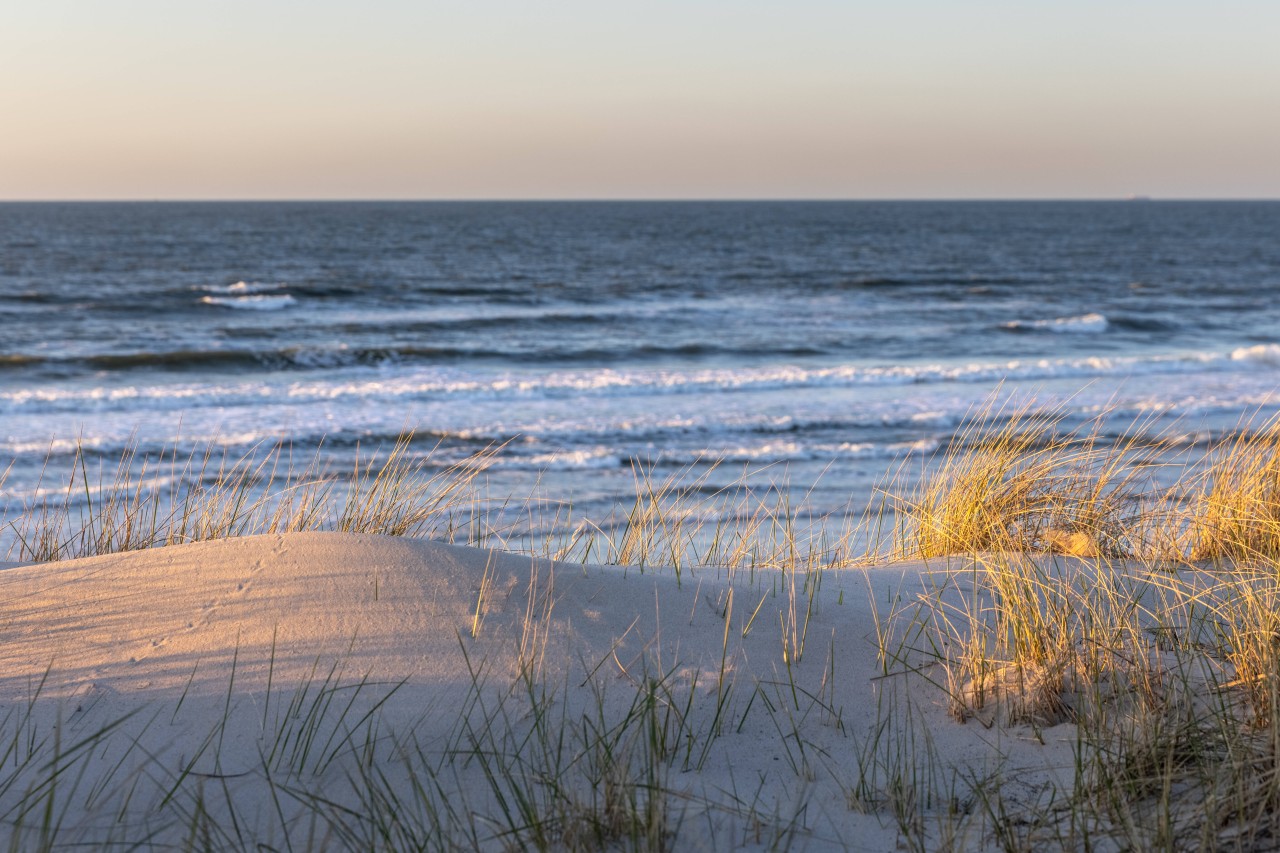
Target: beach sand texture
326	691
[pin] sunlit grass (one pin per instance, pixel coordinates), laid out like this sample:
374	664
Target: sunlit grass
1019	480
1236	514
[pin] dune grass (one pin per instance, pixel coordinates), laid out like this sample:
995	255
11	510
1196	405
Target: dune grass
1020	480
1071	591
147	501
1236	515
1161	649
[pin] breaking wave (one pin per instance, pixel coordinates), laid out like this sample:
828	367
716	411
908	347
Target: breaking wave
1085	324
252	302
391	383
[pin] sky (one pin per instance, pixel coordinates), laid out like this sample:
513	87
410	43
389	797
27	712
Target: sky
417	99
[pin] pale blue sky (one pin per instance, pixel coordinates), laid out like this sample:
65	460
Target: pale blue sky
804	99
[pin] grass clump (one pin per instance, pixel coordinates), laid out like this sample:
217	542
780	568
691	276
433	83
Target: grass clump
1167	678
1161	651
1020	480
401	496
1236	516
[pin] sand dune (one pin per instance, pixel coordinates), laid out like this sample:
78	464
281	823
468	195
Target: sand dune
329	691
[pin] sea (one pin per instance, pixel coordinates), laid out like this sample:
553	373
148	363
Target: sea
813	346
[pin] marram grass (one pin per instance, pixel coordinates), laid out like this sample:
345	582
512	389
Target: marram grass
1236	513
1019	481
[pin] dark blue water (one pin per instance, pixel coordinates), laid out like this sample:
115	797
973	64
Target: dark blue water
822	336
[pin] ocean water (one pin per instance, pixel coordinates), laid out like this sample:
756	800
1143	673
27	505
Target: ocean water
818	342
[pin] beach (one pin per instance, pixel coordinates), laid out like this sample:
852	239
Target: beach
620	428
685	526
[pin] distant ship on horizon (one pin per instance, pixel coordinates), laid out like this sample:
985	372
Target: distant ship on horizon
1133	197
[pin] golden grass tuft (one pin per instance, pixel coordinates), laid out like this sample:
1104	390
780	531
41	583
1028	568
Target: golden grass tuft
1018	481
1236	516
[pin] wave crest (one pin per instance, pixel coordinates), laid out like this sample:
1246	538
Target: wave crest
1085	324
1268	354
251	302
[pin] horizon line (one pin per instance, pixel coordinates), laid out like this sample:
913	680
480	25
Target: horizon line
1131	199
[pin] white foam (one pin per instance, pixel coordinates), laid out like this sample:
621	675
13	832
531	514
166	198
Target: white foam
242	288
399	385
1268	354
1085	324
253	302
595	458
778	451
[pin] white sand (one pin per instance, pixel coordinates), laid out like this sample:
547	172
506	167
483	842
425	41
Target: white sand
206	662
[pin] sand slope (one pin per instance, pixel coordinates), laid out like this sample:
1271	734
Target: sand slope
323	690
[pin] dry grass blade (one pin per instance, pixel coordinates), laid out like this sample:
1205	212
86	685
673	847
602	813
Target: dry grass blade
1018	480
1237	515
398	496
